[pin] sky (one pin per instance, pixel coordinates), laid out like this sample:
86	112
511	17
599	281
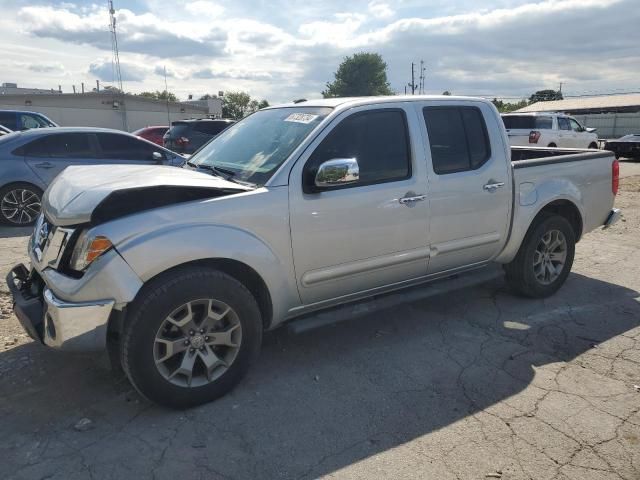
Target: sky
283	50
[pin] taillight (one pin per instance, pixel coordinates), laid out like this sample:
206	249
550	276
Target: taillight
615	176
182	141
534	136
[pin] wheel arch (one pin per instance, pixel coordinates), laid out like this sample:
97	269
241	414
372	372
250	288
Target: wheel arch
565	207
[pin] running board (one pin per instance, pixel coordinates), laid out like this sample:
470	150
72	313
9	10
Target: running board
387	300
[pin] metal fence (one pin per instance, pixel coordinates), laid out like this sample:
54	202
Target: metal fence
611	125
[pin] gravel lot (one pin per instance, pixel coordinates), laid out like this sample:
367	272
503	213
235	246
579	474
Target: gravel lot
474	385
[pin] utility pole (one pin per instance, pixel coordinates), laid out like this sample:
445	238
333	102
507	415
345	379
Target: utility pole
116	61
421	81
166	91
413	81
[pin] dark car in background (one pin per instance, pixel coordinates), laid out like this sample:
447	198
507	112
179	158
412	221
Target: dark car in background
23	120
187	136
154	134
30	160
627	146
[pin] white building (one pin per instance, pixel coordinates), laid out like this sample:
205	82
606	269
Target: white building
103	109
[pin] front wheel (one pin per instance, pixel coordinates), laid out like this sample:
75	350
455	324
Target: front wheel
545	258
20	204
190	337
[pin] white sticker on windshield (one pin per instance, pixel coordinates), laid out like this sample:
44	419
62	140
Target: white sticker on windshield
301	118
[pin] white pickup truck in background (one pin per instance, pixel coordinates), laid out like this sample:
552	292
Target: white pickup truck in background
295	209
548	130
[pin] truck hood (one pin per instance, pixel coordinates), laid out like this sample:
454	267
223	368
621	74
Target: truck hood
98	193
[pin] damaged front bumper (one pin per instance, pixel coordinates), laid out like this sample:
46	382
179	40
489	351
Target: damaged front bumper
73	326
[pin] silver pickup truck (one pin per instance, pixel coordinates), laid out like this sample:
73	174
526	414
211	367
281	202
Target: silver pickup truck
294	209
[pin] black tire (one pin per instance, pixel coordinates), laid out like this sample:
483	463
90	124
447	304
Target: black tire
593	146
552	145
25	216
520	272
155	302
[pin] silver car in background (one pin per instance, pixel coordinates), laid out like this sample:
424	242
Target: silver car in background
30	160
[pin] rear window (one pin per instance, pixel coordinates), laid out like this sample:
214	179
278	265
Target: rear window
179	128
210	128
527	122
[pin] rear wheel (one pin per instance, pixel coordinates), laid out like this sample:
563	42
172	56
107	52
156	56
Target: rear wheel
190	337
20	204
552	145
545	258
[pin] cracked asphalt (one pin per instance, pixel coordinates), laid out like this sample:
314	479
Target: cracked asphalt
472	385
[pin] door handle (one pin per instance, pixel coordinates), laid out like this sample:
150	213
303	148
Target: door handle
413	199
44	165
492	186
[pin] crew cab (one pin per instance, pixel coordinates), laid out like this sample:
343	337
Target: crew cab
296	209
548	130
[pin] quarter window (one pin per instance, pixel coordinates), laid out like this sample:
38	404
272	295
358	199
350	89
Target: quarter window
457	137
9	120
378	140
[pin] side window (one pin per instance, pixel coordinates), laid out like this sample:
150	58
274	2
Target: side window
377	139
544	123
37	148
29	121
457	137
123	147
563	123
8	119
70	145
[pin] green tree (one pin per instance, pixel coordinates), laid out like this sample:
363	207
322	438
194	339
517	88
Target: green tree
545	96
238	105
208	96
447	93
506	107
360	75
160	95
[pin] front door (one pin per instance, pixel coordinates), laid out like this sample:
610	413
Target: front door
566	135
365	234
469	185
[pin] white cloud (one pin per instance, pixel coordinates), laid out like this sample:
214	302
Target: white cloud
280	52
380	9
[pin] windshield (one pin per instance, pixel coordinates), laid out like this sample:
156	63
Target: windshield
254	148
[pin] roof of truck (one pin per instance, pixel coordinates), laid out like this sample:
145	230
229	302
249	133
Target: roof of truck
353	101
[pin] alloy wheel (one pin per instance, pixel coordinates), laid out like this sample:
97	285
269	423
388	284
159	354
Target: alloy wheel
20	206
550	257
197	342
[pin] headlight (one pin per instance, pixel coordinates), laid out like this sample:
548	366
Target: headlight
87	249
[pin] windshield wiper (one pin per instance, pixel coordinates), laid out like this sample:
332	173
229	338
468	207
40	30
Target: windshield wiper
221	172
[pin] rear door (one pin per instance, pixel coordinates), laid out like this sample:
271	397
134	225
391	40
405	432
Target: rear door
469	184
118	148
51	154
566	135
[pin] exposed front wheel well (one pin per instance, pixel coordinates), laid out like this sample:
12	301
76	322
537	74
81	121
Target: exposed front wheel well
567	210
245	275
593	145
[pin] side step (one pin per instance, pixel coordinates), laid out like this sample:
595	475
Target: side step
382	301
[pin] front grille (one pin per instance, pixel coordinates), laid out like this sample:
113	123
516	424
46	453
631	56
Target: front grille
48	242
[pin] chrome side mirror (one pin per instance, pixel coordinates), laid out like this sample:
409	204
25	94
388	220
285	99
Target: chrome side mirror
336	172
